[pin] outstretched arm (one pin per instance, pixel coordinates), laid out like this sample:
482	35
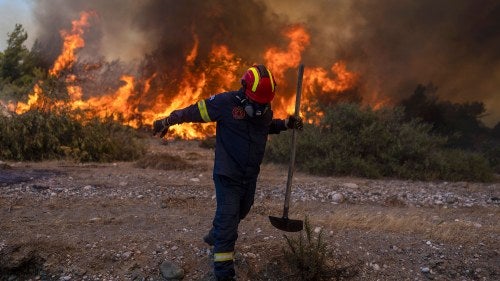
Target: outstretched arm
194	113
203	111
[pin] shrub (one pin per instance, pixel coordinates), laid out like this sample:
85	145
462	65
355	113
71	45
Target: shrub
349	140
41	135
307	255
163	161
309	258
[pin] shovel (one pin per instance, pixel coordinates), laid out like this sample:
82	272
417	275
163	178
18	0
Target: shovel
284	223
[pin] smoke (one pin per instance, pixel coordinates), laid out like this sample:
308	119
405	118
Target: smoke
397	44
14	12
392	44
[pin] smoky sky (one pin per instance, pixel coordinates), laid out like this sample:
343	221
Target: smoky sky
393	45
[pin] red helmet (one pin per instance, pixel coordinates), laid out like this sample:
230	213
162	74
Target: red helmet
259	84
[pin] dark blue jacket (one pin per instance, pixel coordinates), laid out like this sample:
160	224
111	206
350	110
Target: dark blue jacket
240	139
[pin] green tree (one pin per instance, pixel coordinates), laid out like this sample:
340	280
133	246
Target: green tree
12	59
460	122
19	67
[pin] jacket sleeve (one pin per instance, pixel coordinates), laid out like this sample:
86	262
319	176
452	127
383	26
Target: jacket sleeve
206	110
277	125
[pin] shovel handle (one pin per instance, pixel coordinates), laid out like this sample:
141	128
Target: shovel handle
291	167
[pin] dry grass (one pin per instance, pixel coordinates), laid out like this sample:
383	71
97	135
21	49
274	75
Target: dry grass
436	225
163	161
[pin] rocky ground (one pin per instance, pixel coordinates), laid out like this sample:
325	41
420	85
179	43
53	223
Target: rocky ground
119	221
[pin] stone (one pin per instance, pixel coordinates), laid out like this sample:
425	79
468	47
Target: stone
127	255
137	276
425	270
251	255
350	185
171	271
451	200
336	197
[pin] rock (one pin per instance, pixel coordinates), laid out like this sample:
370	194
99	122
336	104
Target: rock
171	271
451	200
425	270
127	255
194	179
317	229
137	276
350	185
336	197
251	255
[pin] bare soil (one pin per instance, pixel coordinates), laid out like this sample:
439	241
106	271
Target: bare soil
61	220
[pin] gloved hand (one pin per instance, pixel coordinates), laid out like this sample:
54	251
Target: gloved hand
161	126
293	122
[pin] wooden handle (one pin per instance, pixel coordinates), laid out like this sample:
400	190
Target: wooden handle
291	167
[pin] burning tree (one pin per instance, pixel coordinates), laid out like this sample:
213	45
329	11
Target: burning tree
139	97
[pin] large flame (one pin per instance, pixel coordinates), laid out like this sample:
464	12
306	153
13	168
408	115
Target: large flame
72	42
221	73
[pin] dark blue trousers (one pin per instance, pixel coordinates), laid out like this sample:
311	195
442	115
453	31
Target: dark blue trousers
234	200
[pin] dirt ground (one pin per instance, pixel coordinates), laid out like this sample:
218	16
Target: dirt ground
61	220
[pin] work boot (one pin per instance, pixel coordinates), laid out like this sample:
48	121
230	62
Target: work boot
209	238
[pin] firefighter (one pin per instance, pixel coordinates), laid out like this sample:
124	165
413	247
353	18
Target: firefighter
243	121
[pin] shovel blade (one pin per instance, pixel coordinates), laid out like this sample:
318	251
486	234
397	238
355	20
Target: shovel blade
286	224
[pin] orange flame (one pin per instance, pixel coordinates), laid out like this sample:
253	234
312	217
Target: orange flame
32	100
72	41
279	61
221	72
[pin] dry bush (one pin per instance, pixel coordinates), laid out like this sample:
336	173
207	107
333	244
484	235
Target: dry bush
163	161
39	135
